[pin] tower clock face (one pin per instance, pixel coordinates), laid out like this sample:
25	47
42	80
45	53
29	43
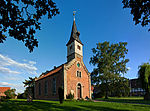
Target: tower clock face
78	64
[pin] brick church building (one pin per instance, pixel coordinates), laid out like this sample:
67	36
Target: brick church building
73	75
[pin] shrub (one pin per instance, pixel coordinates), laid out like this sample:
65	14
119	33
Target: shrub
61	94
10	93
70	96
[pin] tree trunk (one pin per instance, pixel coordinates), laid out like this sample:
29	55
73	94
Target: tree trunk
106	94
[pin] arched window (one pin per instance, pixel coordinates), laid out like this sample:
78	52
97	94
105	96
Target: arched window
54	86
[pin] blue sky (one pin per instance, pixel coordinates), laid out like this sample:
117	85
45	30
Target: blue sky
97	21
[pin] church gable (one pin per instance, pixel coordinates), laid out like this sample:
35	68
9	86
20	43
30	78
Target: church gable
77	74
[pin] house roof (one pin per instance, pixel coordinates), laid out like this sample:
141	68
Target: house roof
2	90
53	71
74	34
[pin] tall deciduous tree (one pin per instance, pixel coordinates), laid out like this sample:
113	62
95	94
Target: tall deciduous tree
20	19
144	76
140	9
110	63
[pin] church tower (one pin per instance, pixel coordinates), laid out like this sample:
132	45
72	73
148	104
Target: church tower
74	45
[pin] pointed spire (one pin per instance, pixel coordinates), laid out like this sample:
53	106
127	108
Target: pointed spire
74	12
74	33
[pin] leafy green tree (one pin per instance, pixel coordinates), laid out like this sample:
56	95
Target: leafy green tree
29	91
120	87
144	76
21	18
10	93
140	9
110	63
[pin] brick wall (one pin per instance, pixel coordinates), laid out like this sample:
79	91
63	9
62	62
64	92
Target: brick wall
73	80
50	96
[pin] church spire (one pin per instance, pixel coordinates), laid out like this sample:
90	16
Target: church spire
74	33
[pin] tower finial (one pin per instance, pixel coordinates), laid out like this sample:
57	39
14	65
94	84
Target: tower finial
74	12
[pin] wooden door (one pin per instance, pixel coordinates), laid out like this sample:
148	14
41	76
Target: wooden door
79	91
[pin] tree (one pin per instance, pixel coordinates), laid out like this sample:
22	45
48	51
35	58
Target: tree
140	9
110	63
144	76
21	18
29	84
10	93
120	87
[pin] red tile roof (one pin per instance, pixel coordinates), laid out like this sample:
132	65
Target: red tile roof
2	90
51	72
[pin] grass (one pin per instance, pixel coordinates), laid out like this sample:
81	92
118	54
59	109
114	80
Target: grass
135	100
44	105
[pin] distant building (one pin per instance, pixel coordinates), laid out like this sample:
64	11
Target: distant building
73	75
136	88
2	90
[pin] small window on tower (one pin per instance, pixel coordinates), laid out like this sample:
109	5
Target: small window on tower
79	47
70	47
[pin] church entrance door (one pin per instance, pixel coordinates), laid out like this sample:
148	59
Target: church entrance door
79	91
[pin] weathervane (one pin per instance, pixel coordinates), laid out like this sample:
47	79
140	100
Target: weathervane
74	12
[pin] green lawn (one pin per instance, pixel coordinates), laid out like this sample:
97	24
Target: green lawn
137	100
43	105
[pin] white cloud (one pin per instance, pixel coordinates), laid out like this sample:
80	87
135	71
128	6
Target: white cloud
32	62
27	67
13	73
5	70
5	84
129	68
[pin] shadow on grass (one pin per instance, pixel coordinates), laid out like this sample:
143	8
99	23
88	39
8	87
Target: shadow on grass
35	106
135	101
100	108
13	105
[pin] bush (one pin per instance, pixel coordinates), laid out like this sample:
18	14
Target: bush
70	96
22	96
61	94
3	98
99	95
10	93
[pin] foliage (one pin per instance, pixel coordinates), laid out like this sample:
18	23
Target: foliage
29	91
61	94
3	98
117	88
22	96
140	9
110	63
70	96
10	93
144	76
21	18
120	87
47	105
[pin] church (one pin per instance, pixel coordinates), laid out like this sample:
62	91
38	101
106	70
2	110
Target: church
73	75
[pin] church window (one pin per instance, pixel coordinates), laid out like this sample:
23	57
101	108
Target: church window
54	85
78	64
39	88
46	87
79	47
78	73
